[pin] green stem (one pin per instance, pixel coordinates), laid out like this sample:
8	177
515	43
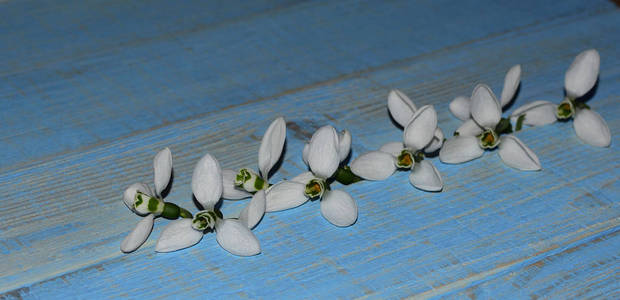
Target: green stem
184	213
173	211
503	126
345	176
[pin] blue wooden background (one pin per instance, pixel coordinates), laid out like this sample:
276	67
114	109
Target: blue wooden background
91	90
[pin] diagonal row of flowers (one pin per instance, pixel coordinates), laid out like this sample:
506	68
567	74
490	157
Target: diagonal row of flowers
323	155
209	184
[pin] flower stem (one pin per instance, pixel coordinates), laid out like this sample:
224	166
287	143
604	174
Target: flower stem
503	126
173	211
345	176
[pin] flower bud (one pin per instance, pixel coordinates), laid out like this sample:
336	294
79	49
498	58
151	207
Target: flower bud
145	204
249	181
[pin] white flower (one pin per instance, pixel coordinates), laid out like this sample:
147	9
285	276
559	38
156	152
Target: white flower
240	185
234	235
461	105
323	155
579	79
402	109
143	201
418	134
486	113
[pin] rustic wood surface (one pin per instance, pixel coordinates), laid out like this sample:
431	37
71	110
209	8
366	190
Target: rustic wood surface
91	90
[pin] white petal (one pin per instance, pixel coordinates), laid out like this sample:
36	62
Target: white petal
323	155
426	177
229	190
394	148
582	73
207	181
536	113
162	168
344	144
304	177
436	142
460	149
485	108
401	107
469	128
271	146
305	153
130	194
339	208
254	211
511	83
591	128
421	129
138	235
517	155
178	234
374	165
284	195
236	238
460	107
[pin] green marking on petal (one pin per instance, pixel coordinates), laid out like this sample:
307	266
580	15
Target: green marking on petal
138	200
153	203
259	184
250	181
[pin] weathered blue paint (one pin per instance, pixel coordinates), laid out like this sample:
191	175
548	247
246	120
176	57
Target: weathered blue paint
90	91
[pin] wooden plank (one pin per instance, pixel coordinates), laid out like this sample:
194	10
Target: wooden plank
588	270
62	220
77	76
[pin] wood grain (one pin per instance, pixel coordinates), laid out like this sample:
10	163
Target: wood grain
492	233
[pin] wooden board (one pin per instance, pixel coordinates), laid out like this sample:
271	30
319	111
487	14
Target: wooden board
91	90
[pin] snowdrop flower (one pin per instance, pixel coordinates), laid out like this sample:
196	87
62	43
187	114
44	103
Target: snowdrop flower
486	112
406	155
323	155
239	185
461	106
402	109
140	199
579	79
234	235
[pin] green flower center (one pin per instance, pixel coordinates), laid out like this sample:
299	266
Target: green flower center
488	139
565	110
405	159
206	219
315	188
